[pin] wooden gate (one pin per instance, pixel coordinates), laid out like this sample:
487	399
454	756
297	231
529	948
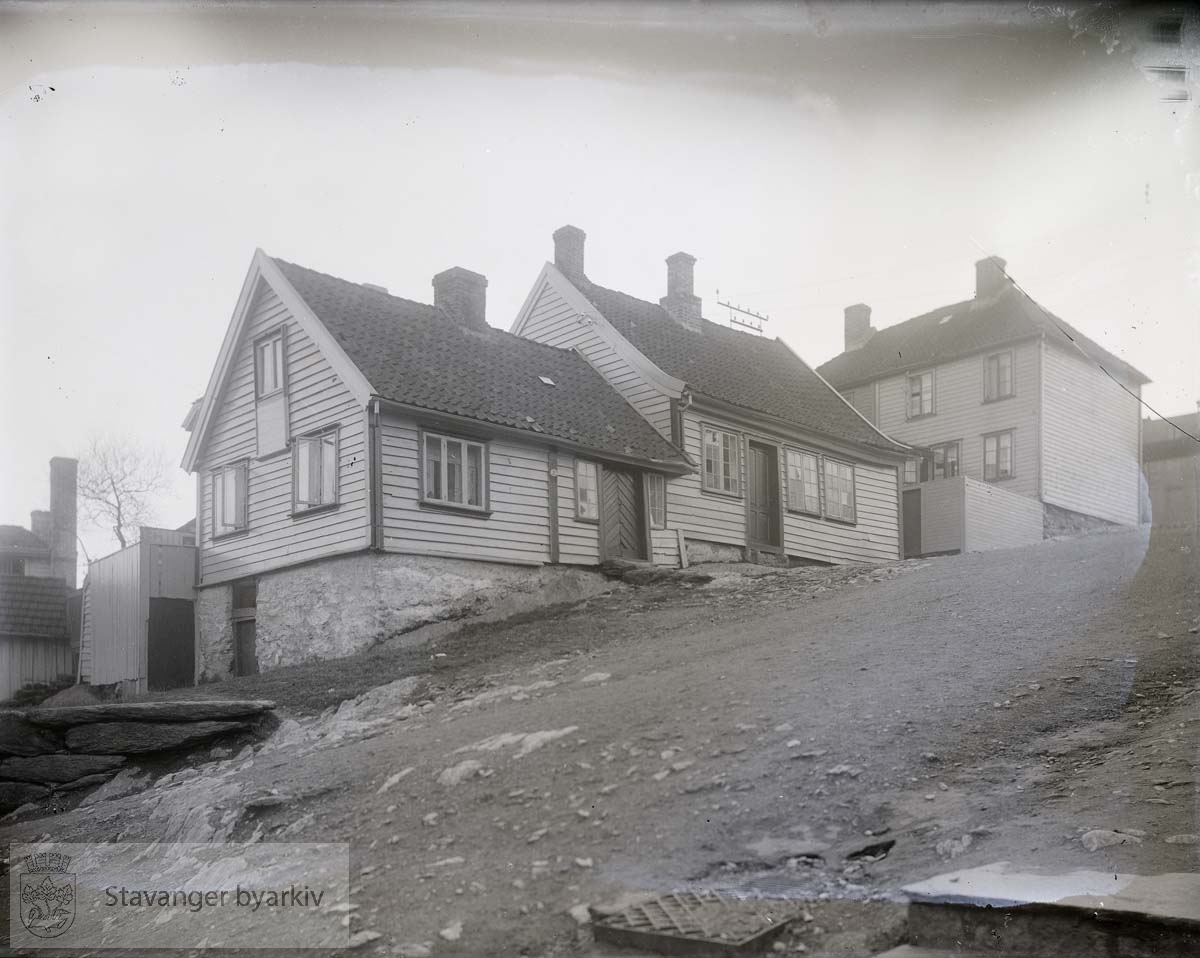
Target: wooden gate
622	515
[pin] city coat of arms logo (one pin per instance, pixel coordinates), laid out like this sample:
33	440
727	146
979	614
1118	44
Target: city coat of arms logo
47	894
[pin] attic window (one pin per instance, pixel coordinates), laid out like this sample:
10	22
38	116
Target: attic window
547	380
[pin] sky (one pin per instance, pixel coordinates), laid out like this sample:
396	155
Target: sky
809	155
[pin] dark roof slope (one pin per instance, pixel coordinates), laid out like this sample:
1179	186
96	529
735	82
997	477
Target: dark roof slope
416	354
756	373
17	540
959	330
33	606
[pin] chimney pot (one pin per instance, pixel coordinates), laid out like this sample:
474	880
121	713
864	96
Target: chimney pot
990	277
681	301
568	251
463	295
858	326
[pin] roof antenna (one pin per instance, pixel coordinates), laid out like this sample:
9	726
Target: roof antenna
753	323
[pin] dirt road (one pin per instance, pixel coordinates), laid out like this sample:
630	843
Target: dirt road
758	733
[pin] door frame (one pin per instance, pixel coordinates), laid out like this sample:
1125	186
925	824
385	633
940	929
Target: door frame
751	542
639	478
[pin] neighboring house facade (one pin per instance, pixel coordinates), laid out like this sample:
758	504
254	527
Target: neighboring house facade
784	467
366	464
999	391
1171	463
37	578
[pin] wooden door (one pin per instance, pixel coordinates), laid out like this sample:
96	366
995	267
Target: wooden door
912	522
622	519
762	495
170	644
244	645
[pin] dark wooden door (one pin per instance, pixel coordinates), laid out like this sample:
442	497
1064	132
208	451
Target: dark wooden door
244	647
170	644
762	494
912	522
622	519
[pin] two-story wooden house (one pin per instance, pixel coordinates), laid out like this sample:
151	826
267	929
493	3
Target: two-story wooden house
367	463
785	467
1000	391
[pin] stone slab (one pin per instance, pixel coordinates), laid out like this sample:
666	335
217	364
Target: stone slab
199	711
86	782
102	738
1173	896
62	767
15	794
18	737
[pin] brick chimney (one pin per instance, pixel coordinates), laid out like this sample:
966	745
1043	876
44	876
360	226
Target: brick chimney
40	525
63	478
858	326
681	301
568	251
463	295
990	278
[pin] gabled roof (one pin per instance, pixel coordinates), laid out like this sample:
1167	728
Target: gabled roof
416	354
17	540
961	329
758	374
33	606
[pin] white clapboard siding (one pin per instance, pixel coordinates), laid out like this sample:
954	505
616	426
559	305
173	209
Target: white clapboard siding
317	398
705	515
554	322
578	542
960	413
518	529
1091	439
24	660
875	534
996	519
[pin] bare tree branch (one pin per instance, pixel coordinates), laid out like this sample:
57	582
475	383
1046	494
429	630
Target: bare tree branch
118	482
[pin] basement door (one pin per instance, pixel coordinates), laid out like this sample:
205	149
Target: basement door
170	644
912	522
622	515
762	495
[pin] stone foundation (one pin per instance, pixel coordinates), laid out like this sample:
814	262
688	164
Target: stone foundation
343	605
700	551
1057	521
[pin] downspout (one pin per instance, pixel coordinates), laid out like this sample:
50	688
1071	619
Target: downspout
374	478
552	500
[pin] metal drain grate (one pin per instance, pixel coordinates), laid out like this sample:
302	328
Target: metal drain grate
696	923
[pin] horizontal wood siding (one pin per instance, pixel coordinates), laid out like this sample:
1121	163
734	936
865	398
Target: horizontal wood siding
317	398
664	547
961	413
518	529
705	515
996	519
578	542
552	321
25	660
942	504
874	537
1091	442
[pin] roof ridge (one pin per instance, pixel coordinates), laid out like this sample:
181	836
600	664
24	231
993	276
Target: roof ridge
360	287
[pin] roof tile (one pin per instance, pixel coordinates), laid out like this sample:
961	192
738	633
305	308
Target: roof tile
33	606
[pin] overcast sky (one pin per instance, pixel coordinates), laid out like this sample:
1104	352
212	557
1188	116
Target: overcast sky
811	156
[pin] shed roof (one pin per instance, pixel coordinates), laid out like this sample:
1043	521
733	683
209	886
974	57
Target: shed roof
759	374
33	606
17	540
962	329
416	354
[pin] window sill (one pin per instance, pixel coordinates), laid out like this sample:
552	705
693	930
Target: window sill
988	402
718	492
274	454
924	415
235	534
841	522
590	522
451	507
803	512
314	510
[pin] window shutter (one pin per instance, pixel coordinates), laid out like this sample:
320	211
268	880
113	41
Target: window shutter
329	468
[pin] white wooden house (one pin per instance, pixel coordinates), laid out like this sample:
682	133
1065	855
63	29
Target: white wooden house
998	390
784	466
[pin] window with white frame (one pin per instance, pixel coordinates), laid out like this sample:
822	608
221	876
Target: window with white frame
587	491
912	471
998	376
454	471
315	470
656	498
229	499
803	482
839	491
722	460
920	394
998	456
268	364
945	460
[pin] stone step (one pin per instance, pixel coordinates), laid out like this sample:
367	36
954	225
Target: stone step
1002	910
